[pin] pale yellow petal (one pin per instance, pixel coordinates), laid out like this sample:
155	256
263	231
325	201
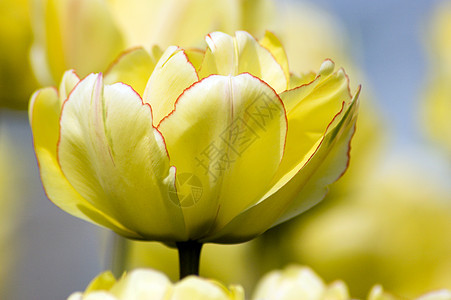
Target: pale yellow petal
303	190
221	131
194	287
298	80
196	57
115	159
294	282
143	284
44	120
274	46
171	76
227	55
436	295
378	293
310	109
133	68
69	81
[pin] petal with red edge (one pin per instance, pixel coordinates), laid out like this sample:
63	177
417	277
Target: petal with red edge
229	133
305	189
171	76
111	154
133	68
44	119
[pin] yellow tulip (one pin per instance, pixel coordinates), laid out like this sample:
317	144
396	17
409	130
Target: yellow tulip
149	284
211	147
16	80
378	293
437	108
394	229
297	282
79	34
87	34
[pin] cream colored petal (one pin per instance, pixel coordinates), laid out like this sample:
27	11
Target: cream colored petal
44	120
115	159
69	81
337	291
378	293
292	283
171	76
99	295
226	138
436	295
227	55
197	288
133	68
143	284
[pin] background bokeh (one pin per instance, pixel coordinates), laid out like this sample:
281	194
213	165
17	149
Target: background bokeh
387	221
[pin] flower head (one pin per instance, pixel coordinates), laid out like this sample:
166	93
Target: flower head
214	146
150	284
296	282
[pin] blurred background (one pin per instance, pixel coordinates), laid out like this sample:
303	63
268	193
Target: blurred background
387	221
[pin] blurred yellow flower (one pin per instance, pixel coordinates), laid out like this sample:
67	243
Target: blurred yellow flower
394	230
87	34
213	147
296	282
78	34
378	293
64	37
16	80
437	107
149	284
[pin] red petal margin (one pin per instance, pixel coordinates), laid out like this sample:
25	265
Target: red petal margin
121	83
197	82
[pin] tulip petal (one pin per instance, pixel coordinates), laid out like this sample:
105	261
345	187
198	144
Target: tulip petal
194	287
172	75
274	46
305	189
309	110
143	284
196	57
44	118
227	55
115	159
221	131
133	68
69	81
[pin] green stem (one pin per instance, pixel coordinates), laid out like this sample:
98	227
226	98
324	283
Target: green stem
189	258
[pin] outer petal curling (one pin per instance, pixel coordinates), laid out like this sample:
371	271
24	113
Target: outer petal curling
222	142
115	159
310	109
325	166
